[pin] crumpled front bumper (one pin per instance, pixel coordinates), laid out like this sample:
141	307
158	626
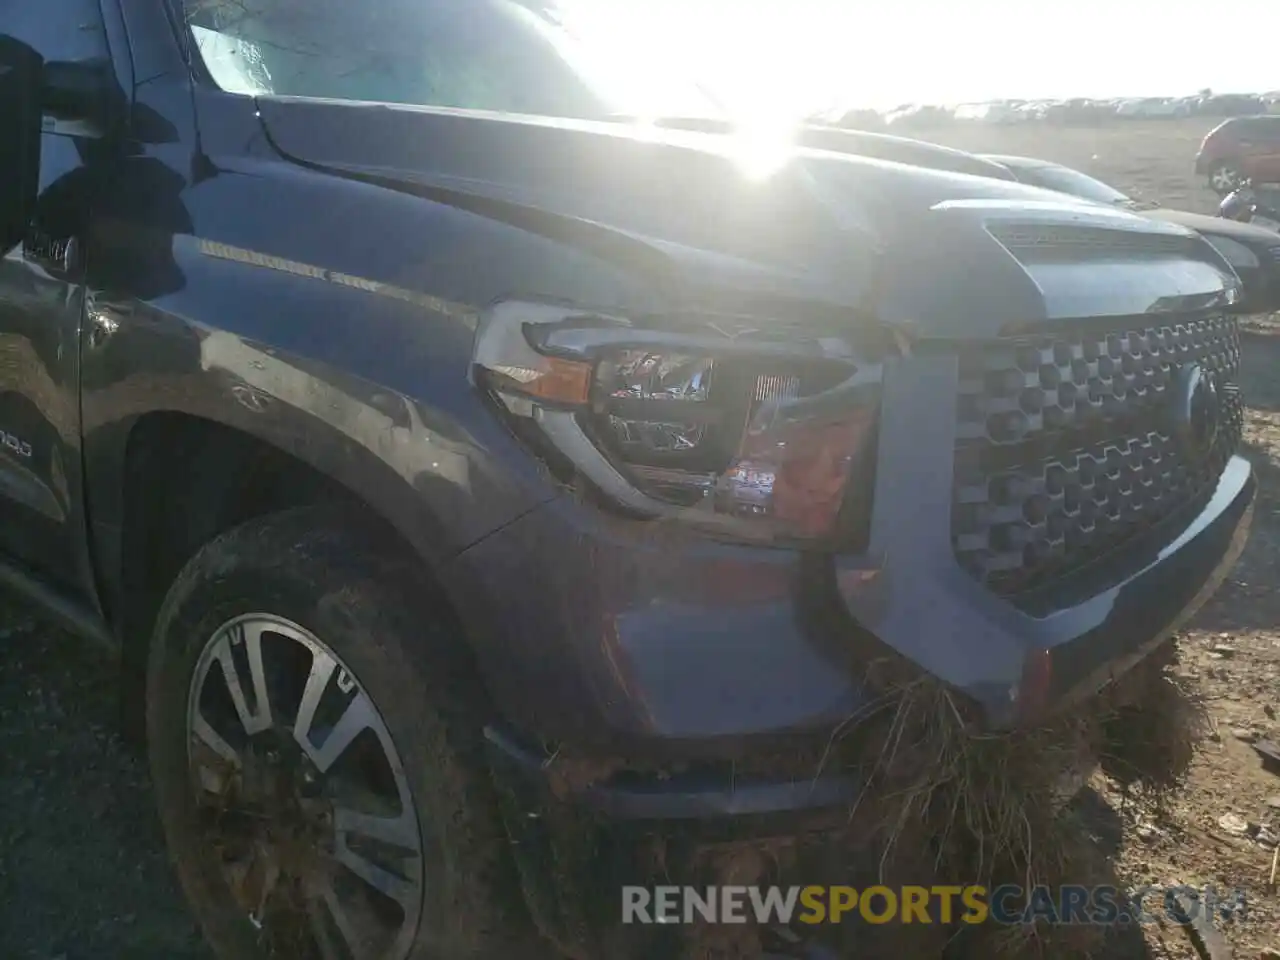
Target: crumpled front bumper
707	678
576	846
658	645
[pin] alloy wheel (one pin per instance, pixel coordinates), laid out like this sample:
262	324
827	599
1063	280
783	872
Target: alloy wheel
1224	178
302	795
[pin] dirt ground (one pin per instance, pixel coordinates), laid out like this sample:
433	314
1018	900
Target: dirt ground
83	874
1150	159
1232	655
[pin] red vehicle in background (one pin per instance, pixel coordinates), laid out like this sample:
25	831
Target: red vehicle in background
1241	148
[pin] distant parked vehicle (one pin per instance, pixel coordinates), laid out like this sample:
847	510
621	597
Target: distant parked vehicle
987	112
1154	108
1251	249
1240	148
862	119
1231	105
919	117
1079	111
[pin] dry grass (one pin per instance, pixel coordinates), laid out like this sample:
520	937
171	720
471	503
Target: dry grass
1150	738
947	804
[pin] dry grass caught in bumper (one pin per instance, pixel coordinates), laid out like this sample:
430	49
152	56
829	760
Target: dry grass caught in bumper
949	805
944	804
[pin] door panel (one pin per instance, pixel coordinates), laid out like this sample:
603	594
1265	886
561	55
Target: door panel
42	519
41	302
1263	151
1266	163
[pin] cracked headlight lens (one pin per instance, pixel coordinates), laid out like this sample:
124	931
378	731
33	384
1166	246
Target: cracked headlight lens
757	439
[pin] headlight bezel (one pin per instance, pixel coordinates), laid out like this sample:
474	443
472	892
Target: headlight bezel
543	363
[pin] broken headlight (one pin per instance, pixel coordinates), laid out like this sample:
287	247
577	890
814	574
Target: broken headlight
758	439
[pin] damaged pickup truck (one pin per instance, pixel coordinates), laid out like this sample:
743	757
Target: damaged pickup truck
490	508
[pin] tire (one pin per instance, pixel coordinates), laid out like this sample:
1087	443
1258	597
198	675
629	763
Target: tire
1224	177
313	573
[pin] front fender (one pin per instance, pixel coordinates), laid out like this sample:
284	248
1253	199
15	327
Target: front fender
275	302
425	474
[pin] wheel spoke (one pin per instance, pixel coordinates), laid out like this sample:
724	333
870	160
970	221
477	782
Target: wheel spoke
358	716
398	831
359	946
321	933
402	891
322	667
257	718
209	738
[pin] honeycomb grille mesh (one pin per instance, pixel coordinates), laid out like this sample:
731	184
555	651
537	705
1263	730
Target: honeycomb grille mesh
1065	450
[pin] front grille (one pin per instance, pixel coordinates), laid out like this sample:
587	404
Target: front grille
1065	446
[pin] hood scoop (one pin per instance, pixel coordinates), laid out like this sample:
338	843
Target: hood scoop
1067	243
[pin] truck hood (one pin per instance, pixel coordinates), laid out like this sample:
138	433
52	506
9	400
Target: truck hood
864	143
731	221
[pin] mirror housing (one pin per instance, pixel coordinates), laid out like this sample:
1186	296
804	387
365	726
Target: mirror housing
21	120
81	97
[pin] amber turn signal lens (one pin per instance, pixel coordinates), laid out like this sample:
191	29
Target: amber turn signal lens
549	378
562	381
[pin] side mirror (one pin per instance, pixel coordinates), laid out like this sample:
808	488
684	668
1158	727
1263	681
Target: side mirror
81	96
21	82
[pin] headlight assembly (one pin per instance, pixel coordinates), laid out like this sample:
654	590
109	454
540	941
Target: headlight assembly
754	438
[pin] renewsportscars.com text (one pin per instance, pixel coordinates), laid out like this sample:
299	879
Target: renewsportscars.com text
973	904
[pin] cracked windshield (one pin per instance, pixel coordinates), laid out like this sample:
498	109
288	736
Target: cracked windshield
497	55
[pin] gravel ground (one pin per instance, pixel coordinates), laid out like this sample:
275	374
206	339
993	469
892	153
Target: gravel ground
83	872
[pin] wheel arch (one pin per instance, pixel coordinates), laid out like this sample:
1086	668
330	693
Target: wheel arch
173	474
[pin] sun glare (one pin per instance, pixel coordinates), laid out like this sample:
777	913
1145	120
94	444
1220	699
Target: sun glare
769	62
797	58
649	52
761	147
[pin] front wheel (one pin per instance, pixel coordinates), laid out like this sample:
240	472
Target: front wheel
1224	177
318	768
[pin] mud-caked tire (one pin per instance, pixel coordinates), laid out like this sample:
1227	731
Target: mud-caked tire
393	643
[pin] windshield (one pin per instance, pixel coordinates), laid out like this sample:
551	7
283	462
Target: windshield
1066	180
500	55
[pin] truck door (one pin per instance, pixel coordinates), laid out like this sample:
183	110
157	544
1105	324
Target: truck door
42	519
